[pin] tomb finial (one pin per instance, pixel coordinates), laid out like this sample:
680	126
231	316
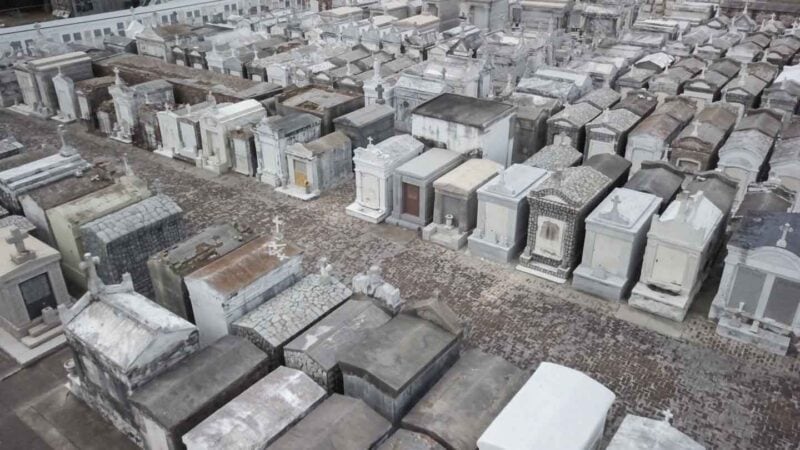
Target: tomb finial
89	266
278	233
66	149
785	230
667	415
126	168
17	239
325	270
118	79
369	140
614	214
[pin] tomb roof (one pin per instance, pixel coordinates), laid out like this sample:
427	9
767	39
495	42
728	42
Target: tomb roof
208	245
289	123
612	166
659	178
578	185
127	329
338	330
316	99
394	354
695	211
787	151
464	110
70	188
747	141
16	221
716	186
259	415
768	229
577	114
619	120
144	213
241	267
91	84
625	208
602	98
577	406
515	181
330	142
396	148
403	439
7	250
558	89
660	126
638	102
764	120
555	157
429	162
338	422
285	316
462	404
765	199
638	432
467	177
365	116
199	381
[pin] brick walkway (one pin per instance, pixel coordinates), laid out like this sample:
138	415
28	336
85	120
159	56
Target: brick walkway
723	394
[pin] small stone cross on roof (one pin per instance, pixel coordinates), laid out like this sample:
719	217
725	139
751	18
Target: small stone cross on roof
89	266
667	415
785	230
17	238
278	234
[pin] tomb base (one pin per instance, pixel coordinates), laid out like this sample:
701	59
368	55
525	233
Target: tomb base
663	304
392	220
271	179
549	273
368	214
124	140
164	152
298	192
448	237
491	251
764	339
189	156
25	110
61	119
606	285
103	407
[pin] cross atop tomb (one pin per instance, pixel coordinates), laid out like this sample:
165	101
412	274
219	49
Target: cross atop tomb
89	266
325	270
369	140
785	230
275	249
17	239
278	233
117	79
667	415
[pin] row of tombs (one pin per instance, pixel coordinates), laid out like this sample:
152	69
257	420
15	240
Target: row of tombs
292	361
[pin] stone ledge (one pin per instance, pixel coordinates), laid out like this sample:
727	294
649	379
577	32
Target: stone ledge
26	356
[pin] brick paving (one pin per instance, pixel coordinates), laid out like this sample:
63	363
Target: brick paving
723	394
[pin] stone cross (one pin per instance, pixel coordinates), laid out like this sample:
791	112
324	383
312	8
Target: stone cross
369	140
667	415
117	79
17	238
785	230
89	266
278	234
325	270
275	249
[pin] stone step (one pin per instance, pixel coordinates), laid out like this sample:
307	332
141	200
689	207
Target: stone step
40	329
35	341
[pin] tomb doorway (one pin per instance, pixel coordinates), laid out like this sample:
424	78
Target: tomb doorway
411	199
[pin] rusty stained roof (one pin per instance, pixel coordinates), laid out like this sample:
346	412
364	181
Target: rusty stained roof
242	266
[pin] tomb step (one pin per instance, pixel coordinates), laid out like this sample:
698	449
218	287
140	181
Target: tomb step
35	341
40	329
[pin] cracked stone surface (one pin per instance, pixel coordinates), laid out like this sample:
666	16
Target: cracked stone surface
723	394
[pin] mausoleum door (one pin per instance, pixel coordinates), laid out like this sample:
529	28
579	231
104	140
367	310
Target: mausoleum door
300	173
37	295
370	189
411	199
